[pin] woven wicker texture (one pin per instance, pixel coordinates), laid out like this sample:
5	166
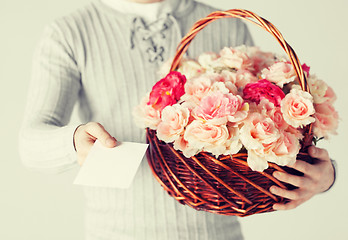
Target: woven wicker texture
225	185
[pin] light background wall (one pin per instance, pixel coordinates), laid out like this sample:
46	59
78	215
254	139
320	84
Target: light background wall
41	207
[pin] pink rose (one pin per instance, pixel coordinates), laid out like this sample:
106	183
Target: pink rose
257	131
182	145
297	108
220	108
263	89
268	109
174	120
280	73
217	83
167	91
326	120
145	116
207	137
266	143
283	152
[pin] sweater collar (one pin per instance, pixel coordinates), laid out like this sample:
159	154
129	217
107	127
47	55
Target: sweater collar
177	8
150	12
150	37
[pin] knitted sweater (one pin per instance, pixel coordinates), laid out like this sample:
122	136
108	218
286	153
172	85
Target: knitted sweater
105	61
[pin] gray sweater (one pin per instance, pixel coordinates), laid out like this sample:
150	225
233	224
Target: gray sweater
105	61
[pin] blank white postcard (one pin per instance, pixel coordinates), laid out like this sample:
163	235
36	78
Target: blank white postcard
111	167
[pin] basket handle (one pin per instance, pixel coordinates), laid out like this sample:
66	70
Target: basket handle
261	22
251	17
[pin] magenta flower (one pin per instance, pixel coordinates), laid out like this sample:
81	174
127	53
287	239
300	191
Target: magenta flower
167	91
263	89
306	69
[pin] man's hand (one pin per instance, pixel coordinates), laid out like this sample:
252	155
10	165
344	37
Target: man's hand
85	136
317	178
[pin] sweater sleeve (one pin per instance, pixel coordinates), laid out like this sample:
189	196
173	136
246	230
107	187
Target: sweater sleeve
248	38
244	37
46	139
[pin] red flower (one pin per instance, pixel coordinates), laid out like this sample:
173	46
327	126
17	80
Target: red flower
167	91
306	69
263	89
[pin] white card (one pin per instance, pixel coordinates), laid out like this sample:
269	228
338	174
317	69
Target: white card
111	167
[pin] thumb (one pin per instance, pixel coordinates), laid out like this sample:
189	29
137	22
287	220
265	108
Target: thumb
318	153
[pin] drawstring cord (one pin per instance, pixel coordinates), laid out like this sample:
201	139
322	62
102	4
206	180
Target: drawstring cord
152	35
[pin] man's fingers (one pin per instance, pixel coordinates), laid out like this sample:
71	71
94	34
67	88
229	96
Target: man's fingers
287	206
96	130
294	180
319	153
302	166
289	194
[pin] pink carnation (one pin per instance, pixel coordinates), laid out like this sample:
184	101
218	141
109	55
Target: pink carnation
145	116
263	89
268	109
320	91
190	68
280	73
209	60
196	88
260	59
326	120
220	108
239	78
167	91
330	95
233	143
235	58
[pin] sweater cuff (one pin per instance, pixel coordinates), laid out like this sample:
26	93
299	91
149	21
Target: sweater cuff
69	142
334	165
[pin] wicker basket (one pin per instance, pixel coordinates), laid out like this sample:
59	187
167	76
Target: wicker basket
224	185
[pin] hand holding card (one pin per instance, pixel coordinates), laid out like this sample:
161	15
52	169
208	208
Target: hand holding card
111	167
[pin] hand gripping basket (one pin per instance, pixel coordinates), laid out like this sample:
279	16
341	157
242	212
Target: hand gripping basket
224	185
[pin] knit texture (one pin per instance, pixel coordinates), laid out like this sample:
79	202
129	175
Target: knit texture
106	61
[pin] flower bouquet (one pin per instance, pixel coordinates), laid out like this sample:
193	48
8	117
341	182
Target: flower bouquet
219	125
